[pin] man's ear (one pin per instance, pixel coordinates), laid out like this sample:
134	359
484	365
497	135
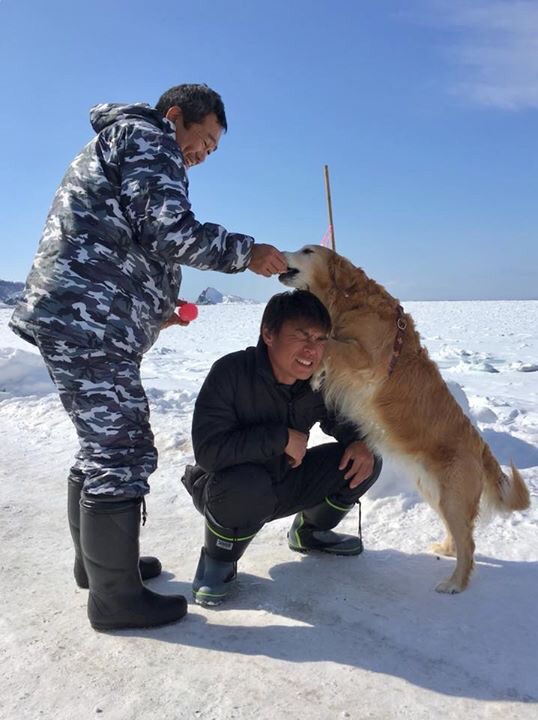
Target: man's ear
267	336
174	113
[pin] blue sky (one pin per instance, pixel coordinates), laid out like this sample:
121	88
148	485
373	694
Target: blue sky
425	111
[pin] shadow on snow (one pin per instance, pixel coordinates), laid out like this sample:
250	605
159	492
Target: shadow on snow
379	613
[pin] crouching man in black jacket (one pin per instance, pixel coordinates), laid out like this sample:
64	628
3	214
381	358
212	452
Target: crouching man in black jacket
250	433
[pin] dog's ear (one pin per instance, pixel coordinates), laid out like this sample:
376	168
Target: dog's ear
344	275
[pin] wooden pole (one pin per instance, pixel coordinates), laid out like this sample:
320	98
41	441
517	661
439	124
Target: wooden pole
329	207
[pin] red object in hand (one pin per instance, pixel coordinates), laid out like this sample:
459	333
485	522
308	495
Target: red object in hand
186	311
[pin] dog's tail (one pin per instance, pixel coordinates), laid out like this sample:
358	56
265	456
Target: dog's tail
502	492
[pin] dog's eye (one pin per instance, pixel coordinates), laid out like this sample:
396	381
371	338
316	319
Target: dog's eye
307	251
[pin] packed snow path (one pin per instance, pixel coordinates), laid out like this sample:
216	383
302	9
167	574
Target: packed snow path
316	637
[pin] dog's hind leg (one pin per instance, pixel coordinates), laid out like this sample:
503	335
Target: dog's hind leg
458	506
428	487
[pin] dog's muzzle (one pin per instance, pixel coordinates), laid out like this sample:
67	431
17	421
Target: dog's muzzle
290	272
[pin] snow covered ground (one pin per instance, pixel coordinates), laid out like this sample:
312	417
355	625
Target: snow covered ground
321	638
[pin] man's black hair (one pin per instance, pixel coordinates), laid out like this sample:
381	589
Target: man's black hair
195	101
295	305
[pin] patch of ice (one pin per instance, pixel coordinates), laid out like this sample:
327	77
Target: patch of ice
512	415
485	367
448	351
485	415
475	366
497	402
524	367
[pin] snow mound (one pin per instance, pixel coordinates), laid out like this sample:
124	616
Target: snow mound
23	373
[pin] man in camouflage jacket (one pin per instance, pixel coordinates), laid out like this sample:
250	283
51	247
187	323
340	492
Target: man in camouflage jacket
104	281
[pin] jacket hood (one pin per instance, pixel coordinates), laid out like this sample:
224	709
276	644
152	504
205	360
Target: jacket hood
106	114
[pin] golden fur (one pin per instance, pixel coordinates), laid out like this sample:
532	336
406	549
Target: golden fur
410	412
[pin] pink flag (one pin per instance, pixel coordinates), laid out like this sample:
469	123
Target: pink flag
326	239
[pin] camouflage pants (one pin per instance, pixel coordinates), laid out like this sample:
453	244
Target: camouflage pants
104	397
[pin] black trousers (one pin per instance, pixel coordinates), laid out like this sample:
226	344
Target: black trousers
246	495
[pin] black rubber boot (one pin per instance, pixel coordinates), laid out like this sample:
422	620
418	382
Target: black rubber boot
217	568
150	567
311	530
109	533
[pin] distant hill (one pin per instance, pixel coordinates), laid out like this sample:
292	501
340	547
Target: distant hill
10	292
212	296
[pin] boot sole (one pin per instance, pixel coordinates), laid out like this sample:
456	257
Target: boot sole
208	600
213	599
100	627
341	553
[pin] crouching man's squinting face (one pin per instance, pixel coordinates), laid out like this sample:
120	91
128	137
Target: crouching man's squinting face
296	351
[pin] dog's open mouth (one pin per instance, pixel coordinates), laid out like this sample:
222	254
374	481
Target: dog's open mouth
290	272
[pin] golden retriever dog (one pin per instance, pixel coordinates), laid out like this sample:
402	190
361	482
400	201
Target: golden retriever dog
378	375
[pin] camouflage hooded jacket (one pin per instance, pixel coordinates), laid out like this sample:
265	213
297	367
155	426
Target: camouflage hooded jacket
107	269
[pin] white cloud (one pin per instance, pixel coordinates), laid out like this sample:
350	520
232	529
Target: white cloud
494	50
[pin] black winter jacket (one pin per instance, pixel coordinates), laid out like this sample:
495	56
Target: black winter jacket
242	414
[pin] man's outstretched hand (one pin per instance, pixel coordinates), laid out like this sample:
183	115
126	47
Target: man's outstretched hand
266	260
